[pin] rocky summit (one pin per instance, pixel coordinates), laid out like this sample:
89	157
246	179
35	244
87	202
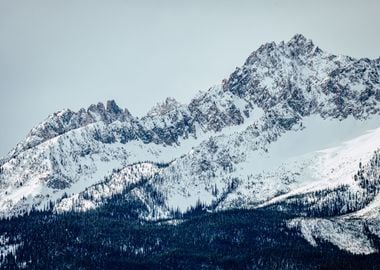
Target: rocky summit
294	129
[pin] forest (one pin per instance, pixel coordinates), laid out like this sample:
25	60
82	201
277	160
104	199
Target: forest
113	237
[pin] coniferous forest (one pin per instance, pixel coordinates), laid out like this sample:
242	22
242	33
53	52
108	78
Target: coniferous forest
112	237
238	142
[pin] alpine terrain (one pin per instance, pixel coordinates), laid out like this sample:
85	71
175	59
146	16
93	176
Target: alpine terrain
276	167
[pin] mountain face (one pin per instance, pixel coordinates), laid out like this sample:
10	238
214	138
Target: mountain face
294	129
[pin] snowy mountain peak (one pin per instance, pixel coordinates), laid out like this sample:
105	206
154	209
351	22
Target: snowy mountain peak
114	110
238	144
107	113
65	120
297	46
300	41
166	106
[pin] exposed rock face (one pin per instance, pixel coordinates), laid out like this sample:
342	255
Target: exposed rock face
66	120
220	148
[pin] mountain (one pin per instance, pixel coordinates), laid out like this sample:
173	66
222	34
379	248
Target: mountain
295	129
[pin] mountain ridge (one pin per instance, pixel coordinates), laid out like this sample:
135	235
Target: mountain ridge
298	44
218	151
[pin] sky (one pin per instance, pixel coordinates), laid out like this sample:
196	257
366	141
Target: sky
57	54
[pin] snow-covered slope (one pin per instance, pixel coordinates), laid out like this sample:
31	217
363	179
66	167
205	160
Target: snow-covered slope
243	169
291	121
357	230
80	157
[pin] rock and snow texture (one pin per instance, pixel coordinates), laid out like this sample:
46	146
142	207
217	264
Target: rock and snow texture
358	229
345	235
292	120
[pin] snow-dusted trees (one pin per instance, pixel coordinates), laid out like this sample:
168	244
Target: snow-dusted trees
368	176
341	199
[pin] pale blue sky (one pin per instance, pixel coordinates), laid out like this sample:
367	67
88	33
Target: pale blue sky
58	54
